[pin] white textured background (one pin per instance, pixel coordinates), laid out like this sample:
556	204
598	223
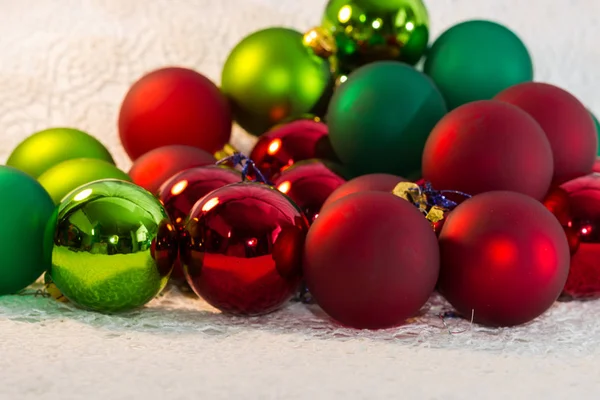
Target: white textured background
70	62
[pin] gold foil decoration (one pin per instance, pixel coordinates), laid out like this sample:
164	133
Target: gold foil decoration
321	41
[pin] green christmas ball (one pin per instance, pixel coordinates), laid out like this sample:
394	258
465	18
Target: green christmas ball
476	60
69	175
270	76
25	208
597	131
374	30
45	149
112	246
380	118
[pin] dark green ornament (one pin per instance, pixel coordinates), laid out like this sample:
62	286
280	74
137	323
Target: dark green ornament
476	60
597	131
380	118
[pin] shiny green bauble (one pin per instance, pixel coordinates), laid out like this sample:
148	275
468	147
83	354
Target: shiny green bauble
376	30
476	60
69	175
112	246
270	76
597	131
45	149
25	208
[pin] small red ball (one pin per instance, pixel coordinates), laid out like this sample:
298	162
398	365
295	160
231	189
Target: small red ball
504	259
365	183
485	146
242	248
557	202
309	183
567	123
174	106
155	167
371	260
285	145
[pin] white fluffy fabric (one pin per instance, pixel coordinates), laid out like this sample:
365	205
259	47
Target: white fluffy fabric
70	62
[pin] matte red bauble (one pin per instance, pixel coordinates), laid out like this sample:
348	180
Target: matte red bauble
568	125
309	183
242	248
285	145
488	145
371	260
584	203
184	189
174	106
504	258
365	183
155	167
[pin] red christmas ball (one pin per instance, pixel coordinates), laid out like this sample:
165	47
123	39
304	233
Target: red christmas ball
174	106
242	248
504	259
365	183
155	167
557	202
567	123
309	183
485	146
596	167
287	144
371	260
584	204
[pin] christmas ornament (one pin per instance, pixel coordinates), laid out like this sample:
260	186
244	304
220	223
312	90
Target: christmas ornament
242	248
567	123
504	259
476	60
179	194
271	75
373	30
174	106
112	246
155	167
309	183
488	145
25	208
296	141
597	125
356	262
45	149
365	183
379	119
583	196
557	202
69	175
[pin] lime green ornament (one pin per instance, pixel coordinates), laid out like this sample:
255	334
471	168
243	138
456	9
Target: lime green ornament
272	75
45	149
380	118
112	246
476	60
376	30
25	208
69	175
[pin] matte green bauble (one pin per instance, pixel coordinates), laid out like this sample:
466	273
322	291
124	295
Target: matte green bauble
69	175
270	76
112	246
380	118
25	208
597	131
476	60
45	149
373	30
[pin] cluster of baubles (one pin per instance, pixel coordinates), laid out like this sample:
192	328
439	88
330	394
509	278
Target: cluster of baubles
371	182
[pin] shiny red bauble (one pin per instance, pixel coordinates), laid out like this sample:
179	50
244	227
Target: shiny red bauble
309	183
242	248
174	106
155	167
371	260
488	145
365	183
557	202
504	259
584	204
567	123
287	144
